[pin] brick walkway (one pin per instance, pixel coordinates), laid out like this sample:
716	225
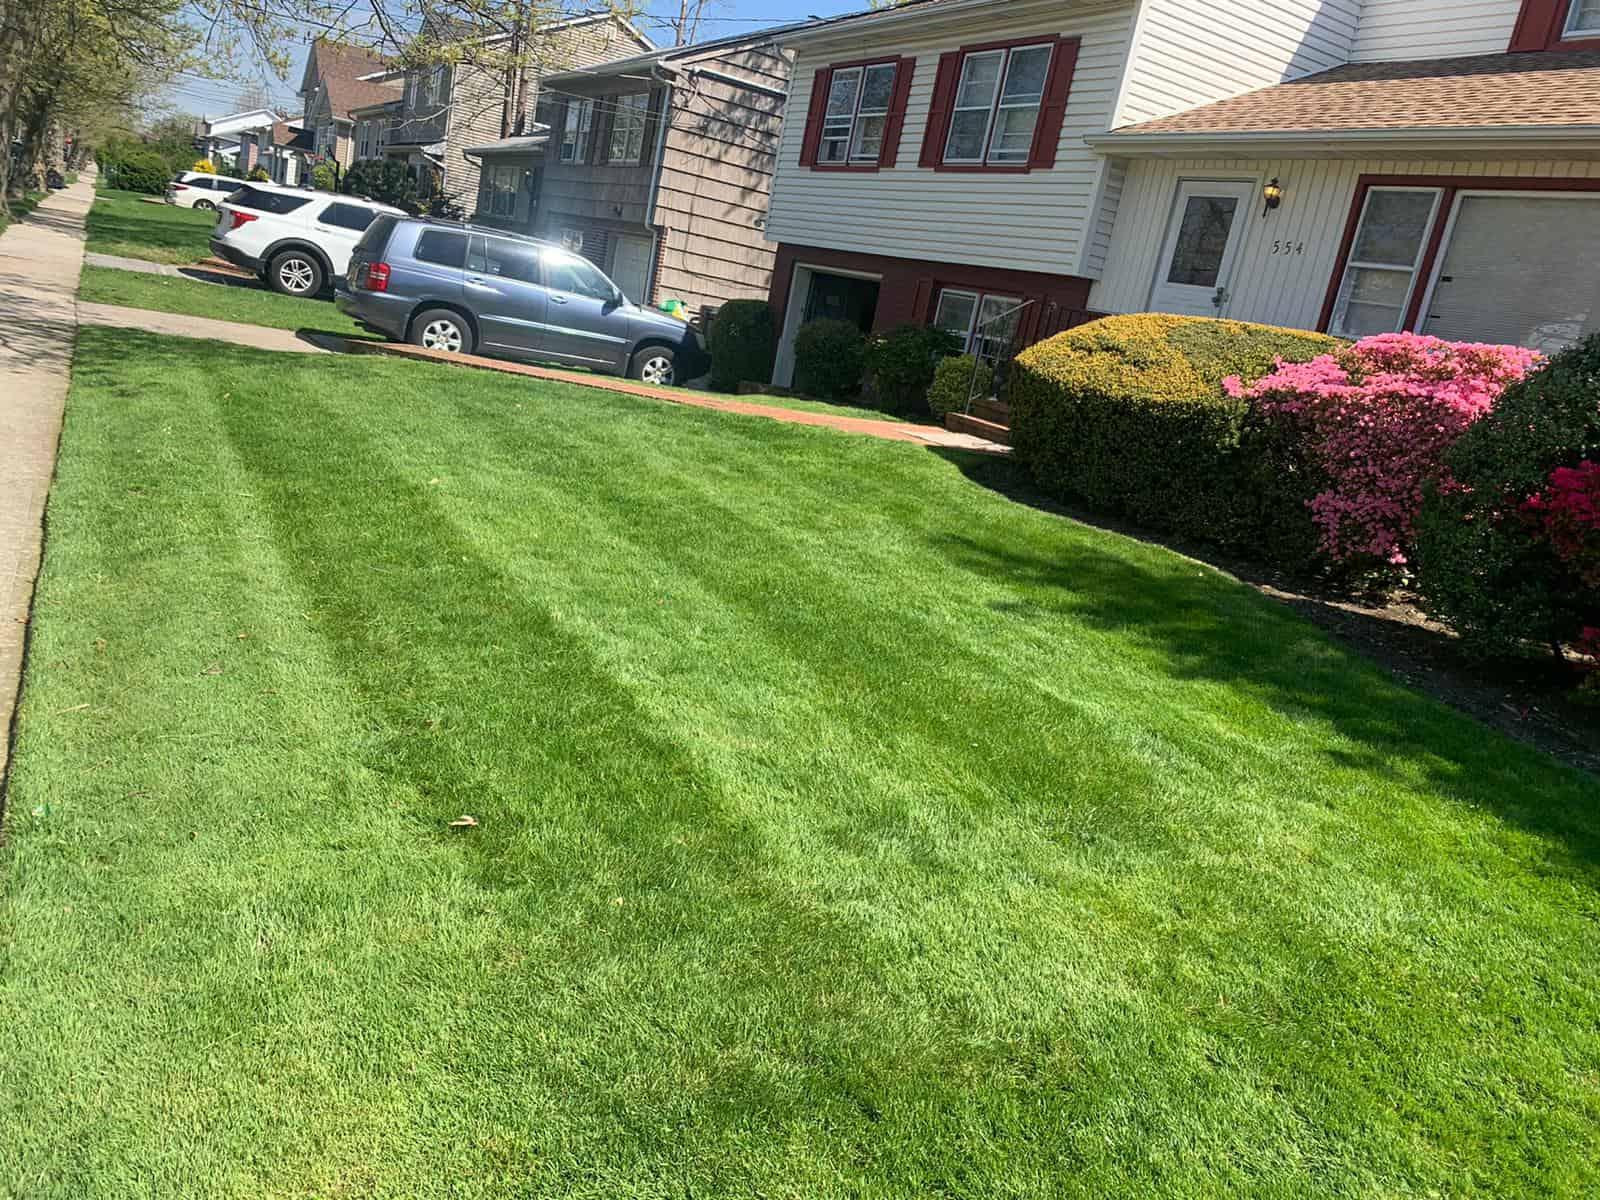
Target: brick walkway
894	431
40	257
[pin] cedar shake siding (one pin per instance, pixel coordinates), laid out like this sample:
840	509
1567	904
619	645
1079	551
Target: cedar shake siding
685	220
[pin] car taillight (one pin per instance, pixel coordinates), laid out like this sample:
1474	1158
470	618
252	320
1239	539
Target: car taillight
239	219
374	277
179	187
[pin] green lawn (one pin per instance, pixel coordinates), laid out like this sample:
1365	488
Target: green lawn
245	301
844	829
123	223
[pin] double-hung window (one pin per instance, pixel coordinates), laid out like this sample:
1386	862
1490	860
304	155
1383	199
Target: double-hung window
858	111
996	108
435	85
1381	272
1583	19
575	132
985	324
626	146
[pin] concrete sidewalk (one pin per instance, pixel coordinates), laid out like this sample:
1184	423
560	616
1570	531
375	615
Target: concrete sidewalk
40	258
257	337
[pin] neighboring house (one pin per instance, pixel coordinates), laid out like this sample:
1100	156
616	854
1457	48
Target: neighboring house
285	155
443	111
235	136
1008	168
656	167
337	80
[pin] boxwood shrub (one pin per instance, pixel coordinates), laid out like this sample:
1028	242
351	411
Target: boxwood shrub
1484	561
902	363
742	338
1128	414
952	384
829	359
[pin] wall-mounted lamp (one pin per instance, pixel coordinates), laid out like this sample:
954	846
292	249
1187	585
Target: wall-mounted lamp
1271	195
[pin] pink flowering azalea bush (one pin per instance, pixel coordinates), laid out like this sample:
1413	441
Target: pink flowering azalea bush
1376	419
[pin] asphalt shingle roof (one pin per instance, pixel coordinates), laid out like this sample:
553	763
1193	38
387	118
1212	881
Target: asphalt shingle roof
1561	89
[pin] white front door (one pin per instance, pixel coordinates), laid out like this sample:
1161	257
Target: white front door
630	267
1202	243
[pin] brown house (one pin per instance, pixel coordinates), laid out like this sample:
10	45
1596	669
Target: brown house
337	80
656	167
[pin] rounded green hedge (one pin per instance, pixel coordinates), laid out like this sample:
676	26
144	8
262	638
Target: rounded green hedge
952	384
902	364
1128	413
829	359
1480	565
743	339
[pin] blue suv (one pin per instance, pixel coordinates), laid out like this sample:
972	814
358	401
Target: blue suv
465	289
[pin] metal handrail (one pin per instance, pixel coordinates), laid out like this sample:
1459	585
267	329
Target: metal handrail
977	341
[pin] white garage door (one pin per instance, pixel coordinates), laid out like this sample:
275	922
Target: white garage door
1519	269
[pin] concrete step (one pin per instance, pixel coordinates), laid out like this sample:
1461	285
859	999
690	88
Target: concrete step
978	427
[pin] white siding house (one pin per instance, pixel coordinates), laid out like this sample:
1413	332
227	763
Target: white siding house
1354	165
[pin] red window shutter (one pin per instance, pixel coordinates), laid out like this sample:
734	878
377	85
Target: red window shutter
1053	109
821	82
1538	25
944	98
896	122
922	302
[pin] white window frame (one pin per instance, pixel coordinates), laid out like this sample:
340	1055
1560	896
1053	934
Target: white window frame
382	138
632	151
847	128
1341	297
1573	29
575	131
363	140
996	102
969	341
435	85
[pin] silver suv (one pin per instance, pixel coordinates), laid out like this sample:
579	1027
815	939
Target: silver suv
462	288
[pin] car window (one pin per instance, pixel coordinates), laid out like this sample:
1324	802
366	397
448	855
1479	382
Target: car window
509	260
347	216
566	272
377	236
267	202
445	249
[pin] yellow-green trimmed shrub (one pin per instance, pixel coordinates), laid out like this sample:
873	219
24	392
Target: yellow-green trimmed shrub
952	384
1128	413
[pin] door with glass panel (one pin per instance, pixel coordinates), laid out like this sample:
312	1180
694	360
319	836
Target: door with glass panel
1381	272
1521	269
1202	243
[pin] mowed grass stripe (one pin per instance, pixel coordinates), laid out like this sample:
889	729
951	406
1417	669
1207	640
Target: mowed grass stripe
709	667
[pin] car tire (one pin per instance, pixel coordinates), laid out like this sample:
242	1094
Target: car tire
205	206
296	273
656	365
441	329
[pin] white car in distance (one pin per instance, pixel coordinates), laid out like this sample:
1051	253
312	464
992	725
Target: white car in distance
297	241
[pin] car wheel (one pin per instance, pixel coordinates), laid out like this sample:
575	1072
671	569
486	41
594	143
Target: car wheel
205	206
654	364
295	273
441	329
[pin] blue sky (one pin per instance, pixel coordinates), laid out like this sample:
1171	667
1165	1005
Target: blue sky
215	97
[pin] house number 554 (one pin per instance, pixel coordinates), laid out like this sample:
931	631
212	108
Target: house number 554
1282	247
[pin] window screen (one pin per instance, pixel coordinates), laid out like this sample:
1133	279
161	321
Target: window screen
1514	273
1383	261
1583	19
